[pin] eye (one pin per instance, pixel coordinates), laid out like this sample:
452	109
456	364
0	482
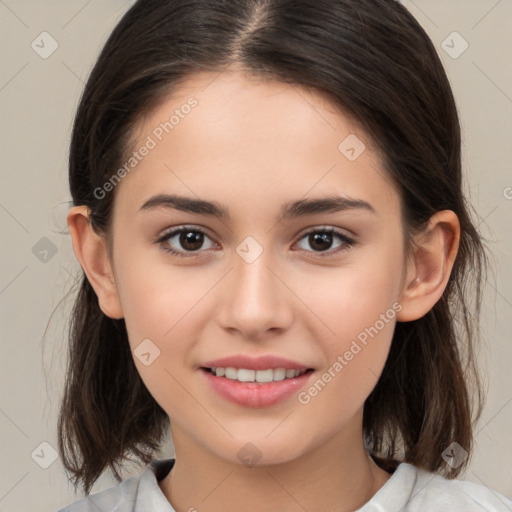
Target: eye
190	238
322	238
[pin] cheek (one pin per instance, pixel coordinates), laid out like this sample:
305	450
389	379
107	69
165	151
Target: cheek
158	303
355	309
158	307
353	297
356	331
158	298
361	316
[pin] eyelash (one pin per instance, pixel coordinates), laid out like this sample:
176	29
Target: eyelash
348	242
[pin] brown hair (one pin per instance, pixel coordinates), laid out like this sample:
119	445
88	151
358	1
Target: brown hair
373	60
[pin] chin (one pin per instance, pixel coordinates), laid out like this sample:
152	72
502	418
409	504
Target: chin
261	453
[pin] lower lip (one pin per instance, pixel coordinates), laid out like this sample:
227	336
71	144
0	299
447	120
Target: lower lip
254	394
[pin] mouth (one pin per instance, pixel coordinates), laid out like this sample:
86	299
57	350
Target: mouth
253	388
257	382
263	376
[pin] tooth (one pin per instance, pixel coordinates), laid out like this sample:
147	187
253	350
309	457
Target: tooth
245	375
265	375
231	373
279	374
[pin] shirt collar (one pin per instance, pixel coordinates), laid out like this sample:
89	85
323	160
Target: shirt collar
149	495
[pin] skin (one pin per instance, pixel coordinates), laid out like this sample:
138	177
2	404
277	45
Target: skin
253	145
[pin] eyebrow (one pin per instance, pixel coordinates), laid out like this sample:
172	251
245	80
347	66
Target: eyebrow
290	210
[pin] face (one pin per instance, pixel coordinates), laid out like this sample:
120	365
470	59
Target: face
319	289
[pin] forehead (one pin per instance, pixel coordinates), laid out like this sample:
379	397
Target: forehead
235	136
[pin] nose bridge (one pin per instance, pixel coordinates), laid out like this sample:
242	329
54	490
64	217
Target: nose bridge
255	300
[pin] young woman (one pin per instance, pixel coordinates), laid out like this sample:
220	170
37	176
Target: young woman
278	264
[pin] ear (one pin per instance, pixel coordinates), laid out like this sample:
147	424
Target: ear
428	271
91	251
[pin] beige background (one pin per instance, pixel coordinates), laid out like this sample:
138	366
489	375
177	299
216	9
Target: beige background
38	98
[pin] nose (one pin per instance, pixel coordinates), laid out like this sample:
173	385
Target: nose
255	298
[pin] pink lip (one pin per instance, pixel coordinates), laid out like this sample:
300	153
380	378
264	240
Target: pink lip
254	363
254	394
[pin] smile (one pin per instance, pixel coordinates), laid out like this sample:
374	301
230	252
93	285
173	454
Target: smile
255	388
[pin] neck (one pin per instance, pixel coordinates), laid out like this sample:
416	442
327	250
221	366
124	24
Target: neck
336	476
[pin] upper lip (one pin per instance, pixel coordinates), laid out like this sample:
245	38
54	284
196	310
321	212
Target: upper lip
254	363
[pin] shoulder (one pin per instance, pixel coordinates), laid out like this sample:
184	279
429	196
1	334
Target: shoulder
125	496
121	498
438	491
417	490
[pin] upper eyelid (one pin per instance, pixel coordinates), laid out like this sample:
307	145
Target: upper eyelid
326	227
177	229
301	233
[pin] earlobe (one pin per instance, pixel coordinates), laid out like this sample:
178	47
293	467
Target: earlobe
435	250
91	251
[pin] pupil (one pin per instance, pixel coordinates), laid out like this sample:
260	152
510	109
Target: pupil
324	239
188	238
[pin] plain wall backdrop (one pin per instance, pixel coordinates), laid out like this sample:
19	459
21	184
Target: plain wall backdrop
40	85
